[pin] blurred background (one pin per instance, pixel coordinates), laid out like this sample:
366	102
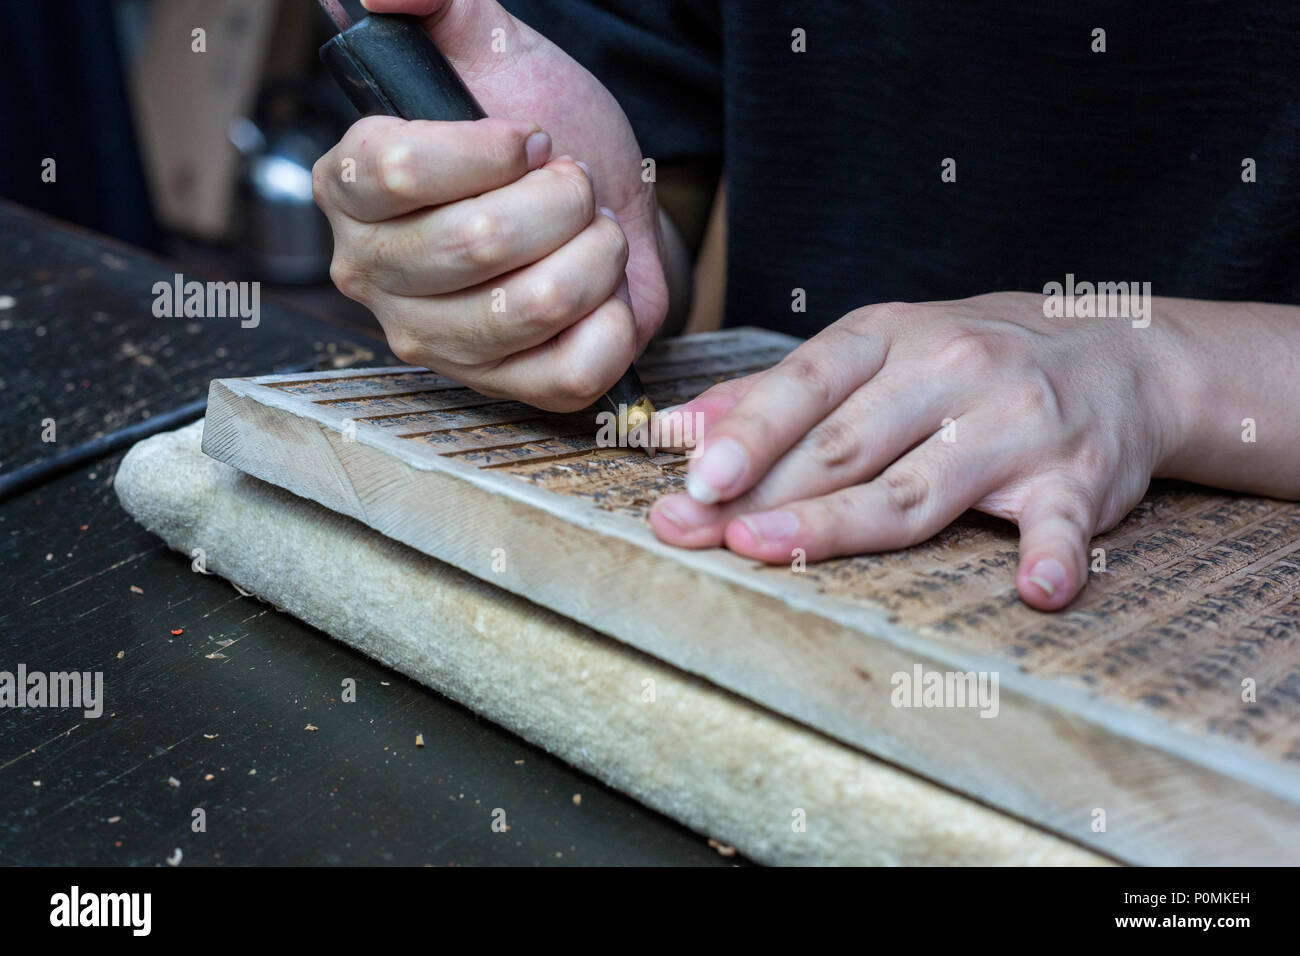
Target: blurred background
189	128
195	145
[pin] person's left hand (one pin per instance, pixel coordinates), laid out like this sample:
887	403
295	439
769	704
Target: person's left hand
884	428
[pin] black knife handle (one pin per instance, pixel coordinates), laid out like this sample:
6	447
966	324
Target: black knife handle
387	64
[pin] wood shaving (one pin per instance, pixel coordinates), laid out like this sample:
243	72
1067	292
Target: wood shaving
722	848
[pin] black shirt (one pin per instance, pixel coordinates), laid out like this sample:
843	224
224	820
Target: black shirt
1123	165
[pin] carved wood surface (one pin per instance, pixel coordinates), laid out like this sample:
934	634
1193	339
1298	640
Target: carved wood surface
1131	703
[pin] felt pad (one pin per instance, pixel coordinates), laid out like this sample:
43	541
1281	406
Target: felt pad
779	792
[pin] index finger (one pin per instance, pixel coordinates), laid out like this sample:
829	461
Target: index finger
782	405
386	167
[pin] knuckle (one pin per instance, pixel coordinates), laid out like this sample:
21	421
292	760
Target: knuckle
837	512
480	240
1093	462
405	346
967	350
503	145
397	170
906	490
1033	396
349	277
808	376
579	194
547	302
891	312
834	444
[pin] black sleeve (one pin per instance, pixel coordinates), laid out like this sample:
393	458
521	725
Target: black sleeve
661	60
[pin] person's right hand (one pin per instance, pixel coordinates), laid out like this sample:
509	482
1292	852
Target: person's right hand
484	258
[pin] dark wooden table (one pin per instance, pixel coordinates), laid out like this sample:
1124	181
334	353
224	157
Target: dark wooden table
208	693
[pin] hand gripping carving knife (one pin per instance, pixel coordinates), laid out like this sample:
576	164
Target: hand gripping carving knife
387	64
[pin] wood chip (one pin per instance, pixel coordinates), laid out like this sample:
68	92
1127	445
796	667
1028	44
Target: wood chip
722	848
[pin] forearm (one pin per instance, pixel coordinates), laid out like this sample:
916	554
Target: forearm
1235	391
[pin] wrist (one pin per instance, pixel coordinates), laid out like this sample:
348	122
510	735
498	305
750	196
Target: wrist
1180	392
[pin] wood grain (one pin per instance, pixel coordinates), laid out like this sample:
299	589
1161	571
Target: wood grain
1130	702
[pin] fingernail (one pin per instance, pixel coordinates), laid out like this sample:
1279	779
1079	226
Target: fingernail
537	147
606	211
721	465
771	525
585	168
1049	575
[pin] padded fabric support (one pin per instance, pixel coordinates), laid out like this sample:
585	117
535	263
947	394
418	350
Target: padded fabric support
719	764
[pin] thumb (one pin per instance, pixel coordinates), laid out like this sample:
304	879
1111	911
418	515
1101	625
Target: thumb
1056	525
